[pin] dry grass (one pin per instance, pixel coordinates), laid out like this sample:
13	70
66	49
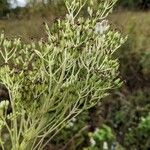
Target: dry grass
27	29
136	24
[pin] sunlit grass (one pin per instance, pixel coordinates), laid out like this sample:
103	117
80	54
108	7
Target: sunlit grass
135	24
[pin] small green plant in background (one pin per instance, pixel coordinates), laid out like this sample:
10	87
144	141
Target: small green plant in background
103	138
139	133
50	82
144	127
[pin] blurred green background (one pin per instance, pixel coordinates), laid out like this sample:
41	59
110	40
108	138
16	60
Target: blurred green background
122	120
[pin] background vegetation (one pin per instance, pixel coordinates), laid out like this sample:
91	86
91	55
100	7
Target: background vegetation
122	120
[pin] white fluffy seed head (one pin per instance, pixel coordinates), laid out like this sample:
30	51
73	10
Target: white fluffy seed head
102	27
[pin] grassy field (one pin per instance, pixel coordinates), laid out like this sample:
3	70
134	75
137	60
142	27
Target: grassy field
136	22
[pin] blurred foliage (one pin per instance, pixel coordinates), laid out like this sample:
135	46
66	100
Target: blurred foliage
44	7
4	7
134	4
127	106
